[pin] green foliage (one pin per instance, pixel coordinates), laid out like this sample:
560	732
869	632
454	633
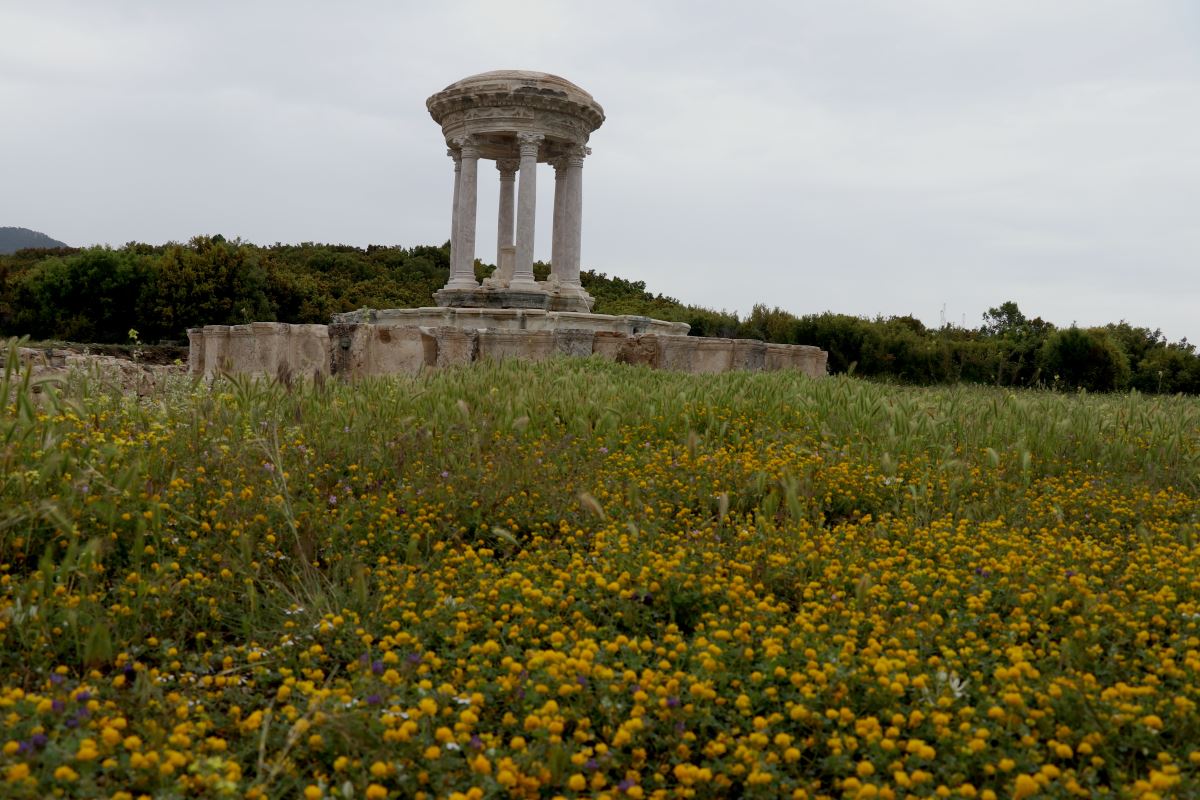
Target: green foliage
95	295
90	296
1078	358
448	580
209	282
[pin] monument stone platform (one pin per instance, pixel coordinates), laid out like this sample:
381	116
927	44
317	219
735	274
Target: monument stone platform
374	343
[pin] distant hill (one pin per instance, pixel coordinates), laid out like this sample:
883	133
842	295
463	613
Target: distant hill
14	239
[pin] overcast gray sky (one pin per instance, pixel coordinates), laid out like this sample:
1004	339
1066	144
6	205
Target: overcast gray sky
925	157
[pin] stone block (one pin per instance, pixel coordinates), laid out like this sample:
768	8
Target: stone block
216	350
348	349
711	355
527	345
574	342
608	344
641	350
270	348
241	355
399	349
677	353
820	363
778	356
748	354
489	297
455	346
308	351
195	351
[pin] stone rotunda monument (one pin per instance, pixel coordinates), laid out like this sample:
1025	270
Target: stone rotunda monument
516	119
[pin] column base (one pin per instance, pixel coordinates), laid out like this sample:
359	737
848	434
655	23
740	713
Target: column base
581	303
460	285
560	298
489	297
567	296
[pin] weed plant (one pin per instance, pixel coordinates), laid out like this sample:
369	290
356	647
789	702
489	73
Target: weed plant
578	578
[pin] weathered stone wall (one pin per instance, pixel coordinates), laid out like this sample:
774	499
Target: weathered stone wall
132	377
352	349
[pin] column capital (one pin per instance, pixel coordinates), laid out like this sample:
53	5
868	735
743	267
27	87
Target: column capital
529	143
467	146
573	154
508	168
455	154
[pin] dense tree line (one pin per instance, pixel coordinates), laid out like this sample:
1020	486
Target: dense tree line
99	294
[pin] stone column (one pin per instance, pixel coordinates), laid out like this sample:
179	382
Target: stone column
556	246
522	278
504	225
462	268
454	153
572	217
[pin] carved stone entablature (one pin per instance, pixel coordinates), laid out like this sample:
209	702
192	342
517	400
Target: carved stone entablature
494	106
536	90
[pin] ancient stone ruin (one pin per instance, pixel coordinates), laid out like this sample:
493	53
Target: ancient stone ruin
517	119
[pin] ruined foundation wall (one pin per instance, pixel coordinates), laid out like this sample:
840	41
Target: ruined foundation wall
359	349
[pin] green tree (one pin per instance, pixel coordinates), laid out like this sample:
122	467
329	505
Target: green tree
1078	358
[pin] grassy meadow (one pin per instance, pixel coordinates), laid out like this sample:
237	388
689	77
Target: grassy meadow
585	579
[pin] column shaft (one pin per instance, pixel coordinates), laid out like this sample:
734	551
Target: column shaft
453	153
504	224
568	276
462	270
529	144
560	196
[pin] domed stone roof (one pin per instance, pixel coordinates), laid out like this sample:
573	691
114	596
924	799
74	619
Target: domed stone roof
514	79
519	100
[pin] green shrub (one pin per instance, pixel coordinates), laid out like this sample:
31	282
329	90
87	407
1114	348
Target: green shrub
1078	358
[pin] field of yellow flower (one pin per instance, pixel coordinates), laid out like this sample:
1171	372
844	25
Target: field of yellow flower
584	579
